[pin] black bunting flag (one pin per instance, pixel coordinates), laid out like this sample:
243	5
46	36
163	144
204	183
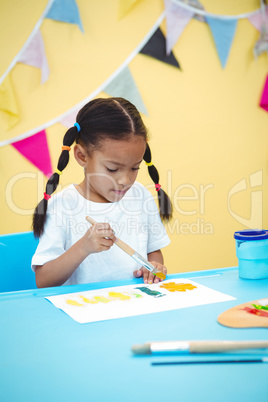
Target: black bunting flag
156	48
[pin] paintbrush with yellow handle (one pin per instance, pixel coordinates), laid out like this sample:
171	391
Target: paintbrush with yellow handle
136	256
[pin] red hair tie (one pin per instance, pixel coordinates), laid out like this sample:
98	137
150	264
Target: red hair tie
157	186
47	196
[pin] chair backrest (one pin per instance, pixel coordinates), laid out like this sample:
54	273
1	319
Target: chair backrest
16	251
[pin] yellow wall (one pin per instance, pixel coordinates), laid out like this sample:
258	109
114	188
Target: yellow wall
207	131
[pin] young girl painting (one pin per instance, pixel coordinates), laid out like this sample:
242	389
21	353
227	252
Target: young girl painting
110	144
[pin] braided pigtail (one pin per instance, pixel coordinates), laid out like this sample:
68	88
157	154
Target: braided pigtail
165	206
39	217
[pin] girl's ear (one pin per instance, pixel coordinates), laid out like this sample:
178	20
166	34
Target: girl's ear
80	154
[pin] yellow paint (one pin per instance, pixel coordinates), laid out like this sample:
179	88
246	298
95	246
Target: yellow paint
177	287
161	275
101	299
85	299
73	303
119	296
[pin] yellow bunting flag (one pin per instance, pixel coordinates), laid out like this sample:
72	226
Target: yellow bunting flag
8	103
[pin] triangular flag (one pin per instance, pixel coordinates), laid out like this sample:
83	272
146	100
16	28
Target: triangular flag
125	6
35	55
69	120
123	85
177	18
65	11
223	32
156	48
199	6
8	102
264	97
257	18
35	149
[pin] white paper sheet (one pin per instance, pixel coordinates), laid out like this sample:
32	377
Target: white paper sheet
131	300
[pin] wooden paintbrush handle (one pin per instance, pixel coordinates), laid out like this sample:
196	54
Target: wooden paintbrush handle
125	247
222	346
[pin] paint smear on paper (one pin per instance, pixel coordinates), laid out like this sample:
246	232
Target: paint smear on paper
119	296
73	303
150	292
112	296
85	299
177	287
255	311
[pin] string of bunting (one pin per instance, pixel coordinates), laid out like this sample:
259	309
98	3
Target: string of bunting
178	13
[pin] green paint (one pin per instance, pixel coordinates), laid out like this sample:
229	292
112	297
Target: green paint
150	292
259	307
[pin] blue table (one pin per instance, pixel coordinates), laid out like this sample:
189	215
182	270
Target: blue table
47	356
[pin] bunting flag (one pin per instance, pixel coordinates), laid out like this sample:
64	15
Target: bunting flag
257	19
65	11
69	120
264	97
261	45
8	102
223	32
35	149
125	6
124	86
199	6
35	55
177	18
156	48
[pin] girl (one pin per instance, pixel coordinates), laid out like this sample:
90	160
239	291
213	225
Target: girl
111	142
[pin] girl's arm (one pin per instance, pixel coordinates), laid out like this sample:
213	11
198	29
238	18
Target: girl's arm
99	237
156	259
156	256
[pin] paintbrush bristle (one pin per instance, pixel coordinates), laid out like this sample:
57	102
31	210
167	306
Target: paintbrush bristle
160	275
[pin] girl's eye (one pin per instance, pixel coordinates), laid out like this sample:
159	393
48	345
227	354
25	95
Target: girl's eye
136	168
111	170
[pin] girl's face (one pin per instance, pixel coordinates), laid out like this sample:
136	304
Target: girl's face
112	169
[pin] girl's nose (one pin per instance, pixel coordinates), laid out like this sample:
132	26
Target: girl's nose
124	180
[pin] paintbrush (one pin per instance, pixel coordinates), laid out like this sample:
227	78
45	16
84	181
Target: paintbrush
136	256
258	360
196	346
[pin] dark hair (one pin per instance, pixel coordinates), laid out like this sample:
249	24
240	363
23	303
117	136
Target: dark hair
98	119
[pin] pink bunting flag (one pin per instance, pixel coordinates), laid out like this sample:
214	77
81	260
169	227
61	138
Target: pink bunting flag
35	149
257	18
35	55
177	18
69	120
264	97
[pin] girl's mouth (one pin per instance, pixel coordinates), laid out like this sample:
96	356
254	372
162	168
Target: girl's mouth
120	192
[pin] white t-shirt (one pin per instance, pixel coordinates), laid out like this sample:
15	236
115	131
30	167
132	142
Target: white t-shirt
135	220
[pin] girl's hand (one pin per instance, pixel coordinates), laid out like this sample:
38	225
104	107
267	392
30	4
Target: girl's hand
99	237
148	277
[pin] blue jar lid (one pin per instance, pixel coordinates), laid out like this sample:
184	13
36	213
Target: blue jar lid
251	234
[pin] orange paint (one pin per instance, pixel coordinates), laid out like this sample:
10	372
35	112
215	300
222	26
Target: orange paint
73	303
177	287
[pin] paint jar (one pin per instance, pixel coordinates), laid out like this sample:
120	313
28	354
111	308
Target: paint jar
252	253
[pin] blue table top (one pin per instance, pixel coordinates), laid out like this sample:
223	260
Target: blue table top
47	356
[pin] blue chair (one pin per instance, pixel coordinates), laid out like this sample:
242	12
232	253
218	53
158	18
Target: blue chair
16	251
